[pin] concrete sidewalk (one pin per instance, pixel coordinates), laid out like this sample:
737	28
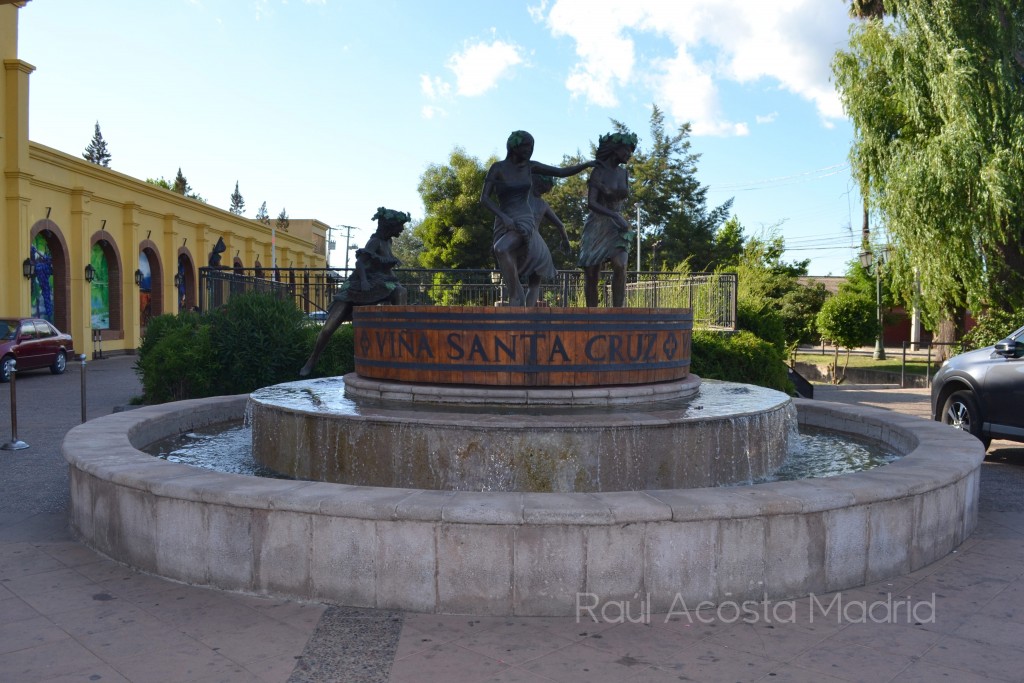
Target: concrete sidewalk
67	613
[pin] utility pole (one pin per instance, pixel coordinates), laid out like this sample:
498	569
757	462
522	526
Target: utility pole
348	238
330	245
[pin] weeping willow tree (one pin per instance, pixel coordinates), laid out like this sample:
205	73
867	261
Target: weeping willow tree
935	91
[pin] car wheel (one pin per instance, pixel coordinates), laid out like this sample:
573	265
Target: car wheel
60	363
961	412
5	368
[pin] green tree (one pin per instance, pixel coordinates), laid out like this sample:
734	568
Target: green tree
181	185
728	243
673	203
282	221
261	214
568	199
407	247
934	93
457	230
96	151
848	321
237	203
771	300
161	182
798	309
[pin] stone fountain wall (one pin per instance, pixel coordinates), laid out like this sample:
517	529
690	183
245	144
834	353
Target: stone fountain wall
519	553
425	445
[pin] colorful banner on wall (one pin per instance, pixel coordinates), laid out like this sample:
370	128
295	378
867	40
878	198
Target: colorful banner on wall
41	303
99	291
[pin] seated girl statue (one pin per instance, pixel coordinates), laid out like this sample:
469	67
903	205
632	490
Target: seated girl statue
371	281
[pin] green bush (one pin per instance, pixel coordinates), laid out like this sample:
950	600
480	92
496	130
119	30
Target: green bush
990	327
848	320
763	322
161	325
258	340
339	356
799	308
178	364
740	357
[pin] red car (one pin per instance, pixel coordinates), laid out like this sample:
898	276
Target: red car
33	343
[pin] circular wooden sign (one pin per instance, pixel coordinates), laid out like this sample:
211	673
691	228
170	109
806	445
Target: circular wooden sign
519	346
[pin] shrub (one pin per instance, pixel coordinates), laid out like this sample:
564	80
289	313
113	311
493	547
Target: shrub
179	364
763	321
848	320
258	340
799	307
990	327
739	357
167	364
339	356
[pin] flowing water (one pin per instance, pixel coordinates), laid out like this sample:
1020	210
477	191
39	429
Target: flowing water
814	453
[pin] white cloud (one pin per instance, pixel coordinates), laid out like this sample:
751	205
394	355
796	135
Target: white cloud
434	87
767	118
477	69
606	54
429	111
711	41
480	66
537	11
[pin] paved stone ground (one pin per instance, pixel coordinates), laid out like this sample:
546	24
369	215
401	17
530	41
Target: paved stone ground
68	614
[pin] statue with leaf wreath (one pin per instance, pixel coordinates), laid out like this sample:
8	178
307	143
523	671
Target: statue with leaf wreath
372	281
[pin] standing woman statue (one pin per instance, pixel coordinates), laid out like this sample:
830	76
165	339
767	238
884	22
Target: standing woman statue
606	234
371	282
518	247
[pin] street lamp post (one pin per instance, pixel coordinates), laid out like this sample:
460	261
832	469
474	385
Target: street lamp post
867	259
638	230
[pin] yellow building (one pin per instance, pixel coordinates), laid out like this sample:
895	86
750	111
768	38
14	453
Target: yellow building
109	250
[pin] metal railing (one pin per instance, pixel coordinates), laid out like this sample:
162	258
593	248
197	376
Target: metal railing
711	296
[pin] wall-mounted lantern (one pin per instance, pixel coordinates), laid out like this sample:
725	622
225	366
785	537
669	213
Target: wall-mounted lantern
28	268
90	273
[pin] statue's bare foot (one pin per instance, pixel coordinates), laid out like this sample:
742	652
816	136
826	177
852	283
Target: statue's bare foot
306	370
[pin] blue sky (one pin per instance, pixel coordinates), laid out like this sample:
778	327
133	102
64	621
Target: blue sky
331	108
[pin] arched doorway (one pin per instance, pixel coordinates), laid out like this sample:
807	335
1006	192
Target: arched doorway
105	295
151	290
185	281
51	284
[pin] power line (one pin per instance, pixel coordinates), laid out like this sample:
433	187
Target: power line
778	181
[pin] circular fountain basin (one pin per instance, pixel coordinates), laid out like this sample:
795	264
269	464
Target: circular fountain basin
529	440
520	553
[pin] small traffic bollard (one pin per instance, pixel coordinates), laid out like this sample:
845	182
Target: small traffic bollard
15	444
82	358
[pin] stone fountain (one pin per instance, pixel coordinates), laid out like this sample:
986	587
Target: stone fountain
449	535
521	399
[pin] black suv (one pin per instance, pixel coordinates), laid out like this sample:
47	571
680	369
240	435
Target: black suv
982	391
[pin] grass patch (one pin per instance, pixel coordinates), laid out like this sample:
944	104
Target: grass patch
892	363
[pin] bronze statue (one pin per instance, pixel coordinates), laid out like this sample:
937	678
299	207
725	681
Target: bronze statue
218	249
518	247
606	234
371	281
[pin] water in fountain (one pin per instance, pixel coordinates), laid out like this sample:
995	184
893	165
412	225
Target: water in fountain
810	453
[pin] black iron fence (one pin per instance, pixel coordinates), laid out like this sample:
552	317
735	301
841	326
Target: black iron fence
712	296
